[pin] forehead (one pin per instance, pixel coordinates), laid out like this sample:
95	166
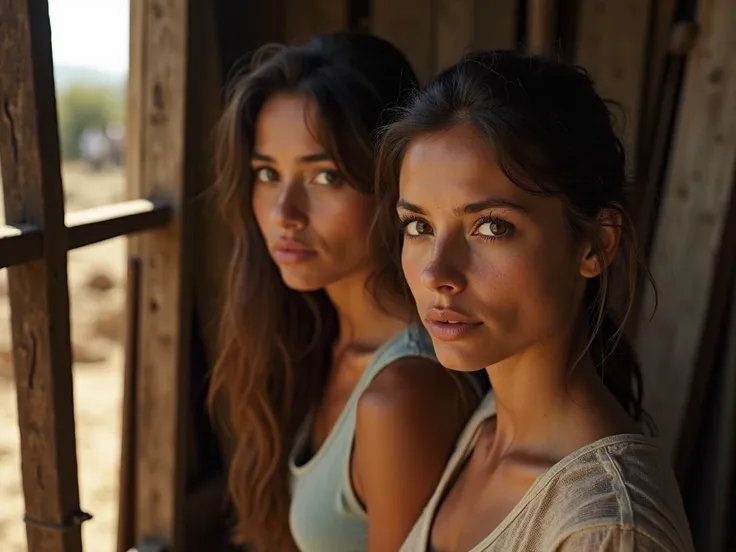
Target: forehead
288	122
454	166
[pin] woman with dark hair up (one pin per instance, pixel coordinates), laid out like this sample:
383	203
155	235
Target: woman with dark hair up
342	416
509	185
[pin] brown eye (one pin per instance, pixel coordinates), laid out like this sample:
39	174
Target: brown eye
326	178
265	174
417	228
493	228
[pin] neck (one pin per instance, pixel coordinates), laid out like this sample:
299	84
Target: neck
363	324
541	392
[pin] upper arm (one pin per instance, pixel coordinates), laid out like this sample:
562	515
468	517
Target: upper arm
408	420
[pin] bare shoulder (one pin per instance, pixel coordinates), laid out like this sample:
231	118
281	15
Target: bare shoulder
412	389
408	421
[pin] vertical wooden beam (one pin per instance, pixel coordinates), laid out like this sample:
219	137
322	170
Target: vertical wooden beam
454	31
495	24
409	25
308	18
161	40
466	25
39	297
689	257
126	486
541	26
612	45
662	22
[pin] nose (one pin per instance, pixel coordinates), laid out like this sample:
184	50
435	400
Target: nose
290	212
443	274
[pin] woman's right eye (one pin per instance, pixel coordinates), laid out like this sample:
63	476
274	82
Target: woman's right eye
265	174
416	227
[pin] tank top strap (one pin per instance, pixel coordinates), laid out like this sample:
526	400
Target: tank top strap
467	440
413	341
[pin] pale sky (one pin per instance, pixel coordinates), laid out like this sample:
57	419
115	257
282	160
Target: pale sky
91	34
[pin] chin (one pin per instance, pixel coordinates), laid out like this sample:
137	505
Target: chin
459	358
305	280
302	284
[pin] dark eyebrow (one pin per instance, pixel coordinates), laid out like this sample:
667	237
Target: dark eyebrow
468	209
403	204
479	206
255	156
315	158
312	158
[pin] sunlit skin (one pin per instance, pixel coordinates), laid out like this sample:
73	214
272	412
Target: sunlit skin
498	278
312	220
316	225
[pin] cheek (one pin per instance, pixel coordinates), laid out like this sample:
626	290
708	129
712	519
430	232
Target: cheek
343	222
263	203
529	287
412	264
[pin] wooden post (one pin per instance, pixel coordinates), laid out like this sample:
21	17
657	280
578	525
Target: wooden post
126	487
305	19
466	25
39	297
541	26
612	46
688	256
159	49
495	24
409	25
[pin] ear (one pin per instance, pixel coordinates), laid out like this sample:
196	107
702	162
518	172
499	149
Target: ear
608	231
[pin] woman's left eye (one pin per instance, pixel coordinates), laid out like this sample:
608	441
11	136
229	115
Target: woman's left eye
494	228
326	178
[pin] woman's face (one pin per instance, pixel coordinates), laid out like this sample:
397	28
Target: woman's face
314	223
494	270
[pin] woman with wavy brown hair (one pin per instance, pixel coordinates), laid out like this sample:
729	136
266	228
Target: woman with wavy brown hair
343	418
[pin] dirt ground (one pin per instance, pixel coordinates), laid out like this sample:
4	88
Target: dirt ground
96	288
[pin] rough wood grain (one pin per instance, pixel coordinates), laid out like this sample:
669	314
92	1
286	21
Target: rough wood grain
612	45
305	19
161	39
39	298
462	26
409	25
687	256
541	26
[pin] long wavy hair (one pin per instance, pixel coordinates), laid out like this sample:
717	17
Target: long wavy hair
276	343
554	136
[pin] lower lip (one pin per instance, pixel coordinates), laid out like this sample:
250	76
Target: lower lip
450	332
292	256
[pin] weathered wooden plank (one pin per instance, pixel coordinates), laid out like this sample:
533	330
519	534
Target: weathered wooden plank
305	19
541	26
612	46
39	297
687	255
712	474
466	25
20	244
495	24
660	37
165	304
454	26
409	25
125	537
23	243
105	222
657	129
